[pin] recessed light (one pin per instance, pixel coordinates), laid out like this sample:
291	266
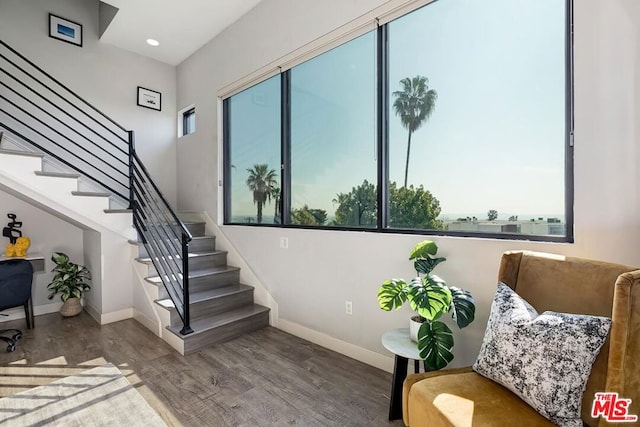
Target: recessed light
153	42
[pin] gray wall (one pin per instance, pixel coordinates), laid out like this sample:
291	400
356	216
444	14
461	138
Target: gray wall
48	234
104	75
321	269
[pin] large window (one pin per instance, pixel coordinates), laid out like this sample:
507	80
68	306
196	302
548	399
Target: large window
452	119
252	127
333	136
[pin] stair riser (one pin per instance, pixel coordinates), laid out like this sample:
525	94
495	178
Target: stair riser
20	165
196	263
215	306
204	244
196	229
214	281
205	261
226	332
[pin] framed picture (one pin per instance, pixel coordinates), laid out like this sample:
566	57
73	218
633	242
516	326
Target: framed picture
149	98
65	30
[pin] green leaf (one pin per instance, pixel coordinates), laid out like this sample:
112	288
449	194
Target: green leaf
69	278
463	306
429	296
392	294
423	250
435	341
426	265
59	258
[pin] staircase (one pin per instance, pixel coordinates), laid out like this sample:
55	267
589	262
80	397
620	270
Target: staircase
186	293
221	307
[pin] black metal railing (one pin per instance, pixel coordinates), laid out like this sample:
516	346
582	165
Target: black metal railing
43	112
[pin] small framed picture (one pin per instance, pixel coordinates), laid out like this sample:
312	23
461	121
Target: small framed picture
65	30
149	98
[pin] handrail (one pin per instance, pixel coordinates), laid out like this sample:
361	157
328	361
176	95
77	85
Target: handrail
66	133
60	84
155	187
48	152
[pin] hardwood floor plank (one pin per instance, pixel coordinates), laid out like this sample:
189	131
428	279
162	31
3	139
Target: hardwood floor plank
264	378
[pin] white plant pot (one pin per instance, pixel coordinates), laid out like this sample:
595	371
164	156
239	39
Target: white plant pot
413	329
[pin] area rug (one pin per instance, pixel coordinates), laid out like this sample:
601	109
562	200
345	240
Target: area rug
98	397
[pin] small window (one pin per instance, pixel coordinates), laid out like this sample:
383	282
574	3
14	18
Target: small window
189	121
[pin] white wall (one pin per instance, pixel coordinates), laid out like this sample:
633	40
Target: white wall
321	269
48	234
104	75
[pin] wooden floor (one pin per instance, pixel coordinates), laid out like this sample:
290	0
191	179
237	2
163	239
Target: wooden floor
266	378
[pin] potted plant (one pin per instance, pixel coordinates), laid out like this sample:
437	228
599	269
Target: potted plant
431	298
69	282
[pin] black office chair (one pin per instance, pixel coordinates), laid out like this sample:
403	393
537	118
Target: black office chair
15	291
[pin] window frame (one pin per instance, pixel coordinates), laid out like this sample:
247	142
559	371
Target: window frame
382	132
186	115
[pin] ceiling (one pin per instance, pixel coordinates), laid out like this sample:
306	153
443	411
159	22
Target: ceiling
181	27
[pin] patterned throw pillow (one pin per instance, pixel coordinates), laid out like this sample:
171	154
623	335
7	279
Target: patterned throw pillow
545	359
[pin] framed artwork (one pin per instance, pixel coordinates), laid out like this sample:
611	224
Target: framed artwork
148	98
65	30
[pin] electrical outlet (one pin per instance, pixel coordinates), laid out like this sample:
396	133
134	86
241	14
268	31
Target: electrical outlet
348	307
284	243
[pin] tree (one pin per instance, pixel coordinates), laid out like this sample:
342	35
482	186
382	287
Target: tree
358	207
306	216
262	181
513	218
414	104
276	197
492	215
408	207
411	207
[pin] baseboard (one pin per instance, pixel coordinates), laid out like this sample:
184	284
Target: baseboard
105	318
174	341
147	322
18	312
350	350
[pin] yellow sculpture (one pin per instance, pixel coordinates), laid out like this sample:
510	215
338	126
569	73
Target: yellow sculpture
19	249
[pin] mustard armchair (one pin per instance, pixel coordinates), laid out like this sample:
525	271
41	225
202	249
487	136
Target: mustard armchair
461	397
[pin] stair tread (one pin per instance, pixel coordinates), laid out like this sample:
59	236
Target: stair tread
112	211
90	194
194	254
209	294
208	323
58	174
20	153
201	272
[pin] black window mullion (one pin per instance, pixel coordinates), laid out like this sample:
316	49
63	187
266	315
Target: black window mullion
285	167
569	119
383	128
226	159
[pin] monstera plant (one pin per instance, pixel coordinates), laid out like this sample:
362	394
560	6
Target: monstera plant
431	298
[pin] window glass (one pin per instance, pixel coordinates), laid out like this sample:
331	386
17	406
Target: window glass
253	135
189	121
333	137
477	119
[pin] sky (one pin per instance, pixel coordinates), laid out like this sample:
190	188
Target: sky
494	141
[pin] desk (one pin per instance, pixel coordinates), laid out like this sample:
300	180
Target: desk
37	262
398	342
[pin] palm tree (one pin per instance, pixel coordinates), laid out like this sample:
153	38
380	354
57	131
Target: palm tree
275	193
414	104
262	182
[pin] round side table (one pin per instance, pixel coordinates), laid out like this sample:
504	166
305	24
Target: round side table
397	341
